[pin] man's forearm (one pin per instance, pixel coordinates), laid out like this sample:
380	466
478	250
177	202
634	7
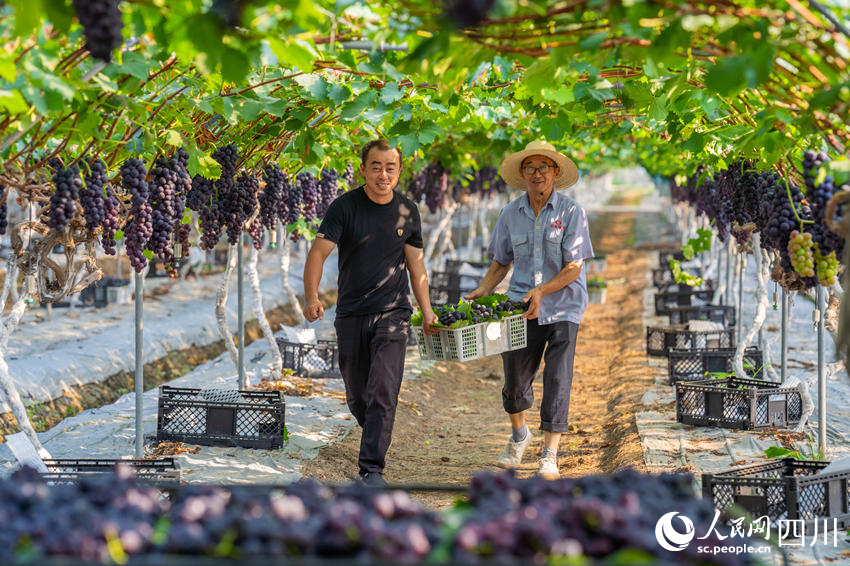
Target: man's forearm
563	278
494	276
312	276
420	291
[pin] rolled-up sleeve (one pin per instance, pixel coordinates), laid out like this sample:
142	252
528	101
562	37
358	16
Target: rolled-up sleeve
500	248
576	243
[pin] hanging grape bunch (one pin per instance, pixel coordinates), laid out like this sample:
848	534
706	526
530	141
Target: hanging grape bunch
289	207
101	21
4	208
63	203
800	253
164	181
180	164
92	197
239	205
416	186
309	194
328	190
111	221
827	244
467	13
140	226
348	177
203	199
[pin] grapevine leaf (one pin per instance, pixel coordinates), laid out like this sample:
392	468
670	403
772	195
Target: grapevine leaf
135	65
315	87
13	102
148	254
27	15
390	93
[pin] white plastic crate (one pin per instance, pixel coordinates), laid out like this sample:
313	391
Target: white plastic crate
474	341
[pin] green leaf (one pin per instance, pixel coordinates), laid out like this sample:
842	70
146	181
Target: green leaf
353	109
390	93
293	53
658	110
60	13
148	254
50	82
779	452
27	15
8	68
339	93
119	235
174	138
135	65
428	132
729	75
409	143
315	86
187	216
593	41
13	102
234	64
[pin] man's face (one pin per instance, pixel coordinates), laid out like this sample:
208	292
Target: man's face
538	181
381	171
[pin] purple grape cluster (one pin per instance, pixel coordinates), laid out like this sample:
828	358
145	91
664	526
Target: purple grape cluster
272	196
348	176
5	193
290	206
63	201
203	198
430	183
818	196
111	221
467	13
592	516
238	206
164	184
102	25
309	194
139	228
92	197
328	190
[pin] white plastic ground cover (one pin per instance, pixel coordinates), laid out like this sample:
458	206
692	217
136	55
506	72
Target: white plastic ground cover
668	445
312	422
46	358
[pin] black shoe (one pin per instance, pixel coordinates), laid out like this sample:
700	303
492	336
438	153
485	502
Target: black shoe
373	479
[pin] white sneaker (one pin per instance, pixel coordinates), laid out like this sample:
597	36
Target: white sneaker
548	468
512	455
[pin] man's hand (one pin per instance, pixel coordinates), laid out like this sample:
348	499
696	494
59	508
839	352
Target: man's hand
313	310
476	294
533	298
428	319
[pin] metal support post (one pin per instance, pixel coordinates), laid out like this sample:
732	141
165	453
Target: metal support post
821	297
784	335
241	316
140	376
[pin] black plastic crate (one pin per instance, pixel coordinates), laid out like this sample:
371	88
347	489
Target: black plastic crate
454	265
447	288
725	315
663	276
694	366
159	470
93	296
664	257
733	402
311	360
787	489
660	340
214	417
678	297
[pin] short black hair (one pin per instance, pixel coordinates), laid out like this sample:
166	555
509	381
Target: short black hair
382	145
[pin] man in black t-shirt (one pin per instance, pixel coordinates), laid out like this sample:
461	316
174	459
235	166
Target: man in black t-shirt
379	234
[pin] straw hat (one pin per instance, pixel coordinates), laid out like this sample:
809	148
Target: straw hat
510	168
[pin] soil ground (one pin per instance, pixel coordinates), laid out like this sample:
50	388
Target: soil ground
450	423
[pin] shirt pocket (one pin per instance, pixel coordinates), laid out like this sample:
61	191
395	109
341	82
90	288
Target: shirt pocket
552	248
521	246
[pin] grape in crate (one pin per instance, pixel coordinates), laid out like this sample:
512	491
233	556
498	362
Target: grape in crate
379	236
544	234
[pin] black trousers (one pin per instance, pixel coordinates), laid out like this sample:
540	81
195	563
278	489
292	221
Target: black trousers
559	341
371	359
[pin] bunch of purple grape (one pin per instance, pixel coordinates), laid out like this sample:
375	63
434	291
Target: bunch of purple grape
92	197
593	516
328	190
310	198
448	315
481	313
5	193
63	202
140	226
510	306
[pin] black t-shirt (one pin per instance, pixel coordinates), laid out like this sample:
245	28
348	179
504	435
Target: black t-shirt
371	238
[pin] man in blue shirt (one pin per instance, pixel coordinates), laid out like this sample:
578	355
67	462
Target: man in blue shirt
544	234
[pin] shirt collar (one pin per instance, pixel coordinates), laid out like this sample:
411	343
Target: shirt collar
524	205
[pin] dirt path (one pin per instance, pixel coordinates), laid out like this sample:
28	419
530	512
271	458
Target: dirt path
450	423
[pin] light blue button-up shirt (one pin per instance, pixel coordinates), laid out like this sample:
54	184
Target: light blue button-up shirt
543	246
